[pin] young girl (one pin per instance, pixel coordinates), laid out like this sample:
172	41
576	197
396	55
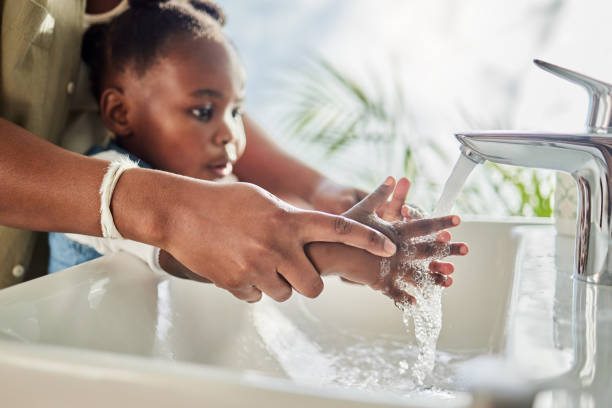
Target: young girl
170	88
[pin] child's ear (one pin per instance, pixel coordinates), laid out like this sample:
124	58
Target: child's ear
114	111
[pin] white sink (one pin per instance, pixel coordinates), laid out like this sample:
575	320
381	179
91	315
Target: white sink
112	333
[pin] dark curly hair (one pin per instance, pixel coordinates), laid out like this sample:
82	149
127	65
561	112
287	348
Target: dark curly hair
136	37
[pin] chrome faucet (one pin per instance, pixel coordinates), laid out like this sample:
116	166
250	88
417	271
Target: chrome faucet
587	157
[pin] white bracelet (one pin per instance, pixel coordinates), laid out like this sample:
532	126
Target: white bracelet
114	171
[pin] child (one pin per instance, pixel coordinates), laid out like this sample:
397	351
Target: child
170	88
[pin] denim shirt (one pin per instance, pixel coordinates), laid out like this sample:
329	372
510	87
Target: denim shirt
64	252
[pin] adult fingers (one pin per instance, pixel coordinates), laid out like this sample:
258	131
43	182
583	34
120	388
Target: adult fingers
322	227
188	274
350	281
377	197
302	275
249	294
275	286
427	226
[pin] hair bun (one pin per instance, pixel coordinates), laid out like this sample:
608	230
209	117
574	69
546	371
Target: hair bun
211	8
146	3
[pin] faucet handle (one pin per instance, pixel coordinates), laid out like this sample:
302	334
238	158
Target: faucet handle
599	119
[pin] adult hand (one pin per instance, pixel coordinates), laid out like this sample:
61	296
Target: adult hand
247	241
335	198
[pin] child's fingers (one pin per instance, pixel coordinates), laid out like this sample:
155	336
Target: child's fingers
427	226
377	197
392	211
459	249
443	280
405	298
401	190
434	249
399	296
406	213
444	268
443	236
412	212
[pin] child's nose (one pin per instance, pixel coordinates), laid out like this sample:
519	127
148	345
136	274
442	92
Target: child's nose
225	133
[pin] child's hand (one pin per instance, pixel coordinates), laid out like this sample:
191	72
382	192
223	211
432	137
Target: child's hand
366	212
397	209
394	219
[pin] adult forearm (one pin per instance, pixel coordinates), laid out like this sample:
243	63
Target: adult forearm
44	187
265	164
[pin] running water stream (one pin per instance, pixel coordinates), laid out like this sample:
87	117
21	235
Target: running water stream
463	168
426	313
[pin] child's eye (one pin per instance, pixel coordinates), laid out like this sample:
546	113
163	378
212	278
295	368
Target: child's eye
203	113
237	112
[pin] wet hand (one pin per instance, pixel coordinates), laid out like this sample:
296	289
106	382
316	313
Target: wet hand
395	218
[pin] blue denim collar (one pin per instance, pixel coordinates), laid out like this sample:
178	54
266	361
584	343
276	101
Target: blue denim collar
114	146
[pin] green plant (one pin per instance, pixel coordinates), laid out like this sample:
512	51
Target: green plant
347	120
530	185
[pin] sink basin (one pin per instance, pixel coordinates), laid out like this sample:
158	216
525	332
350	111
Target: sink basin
111	332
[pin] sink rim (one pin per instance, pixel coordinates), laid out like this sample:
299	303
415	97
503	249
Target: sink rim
147	371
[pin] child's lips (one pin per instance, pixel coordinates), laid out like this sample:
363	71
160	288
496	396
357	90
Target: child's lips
221	169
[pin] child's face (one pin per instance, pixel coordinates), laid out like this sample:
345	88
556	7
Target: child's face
184	113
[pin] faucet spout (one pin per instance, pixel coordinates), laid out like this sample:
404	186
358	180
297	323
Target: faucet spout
588	158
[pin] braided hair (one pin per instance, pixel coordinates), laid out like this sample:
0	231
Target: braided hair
136	37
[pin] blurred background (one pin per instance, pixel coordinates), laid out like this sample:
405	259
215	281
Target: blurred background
363	89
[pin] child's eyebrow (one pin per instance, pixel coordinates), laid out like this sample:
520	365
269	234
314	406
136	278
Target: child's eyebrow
211	92
207	92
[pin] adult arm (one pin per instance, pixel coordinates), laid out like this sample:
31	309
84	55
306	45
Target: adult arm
237	235
265	164
101	6
44	187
